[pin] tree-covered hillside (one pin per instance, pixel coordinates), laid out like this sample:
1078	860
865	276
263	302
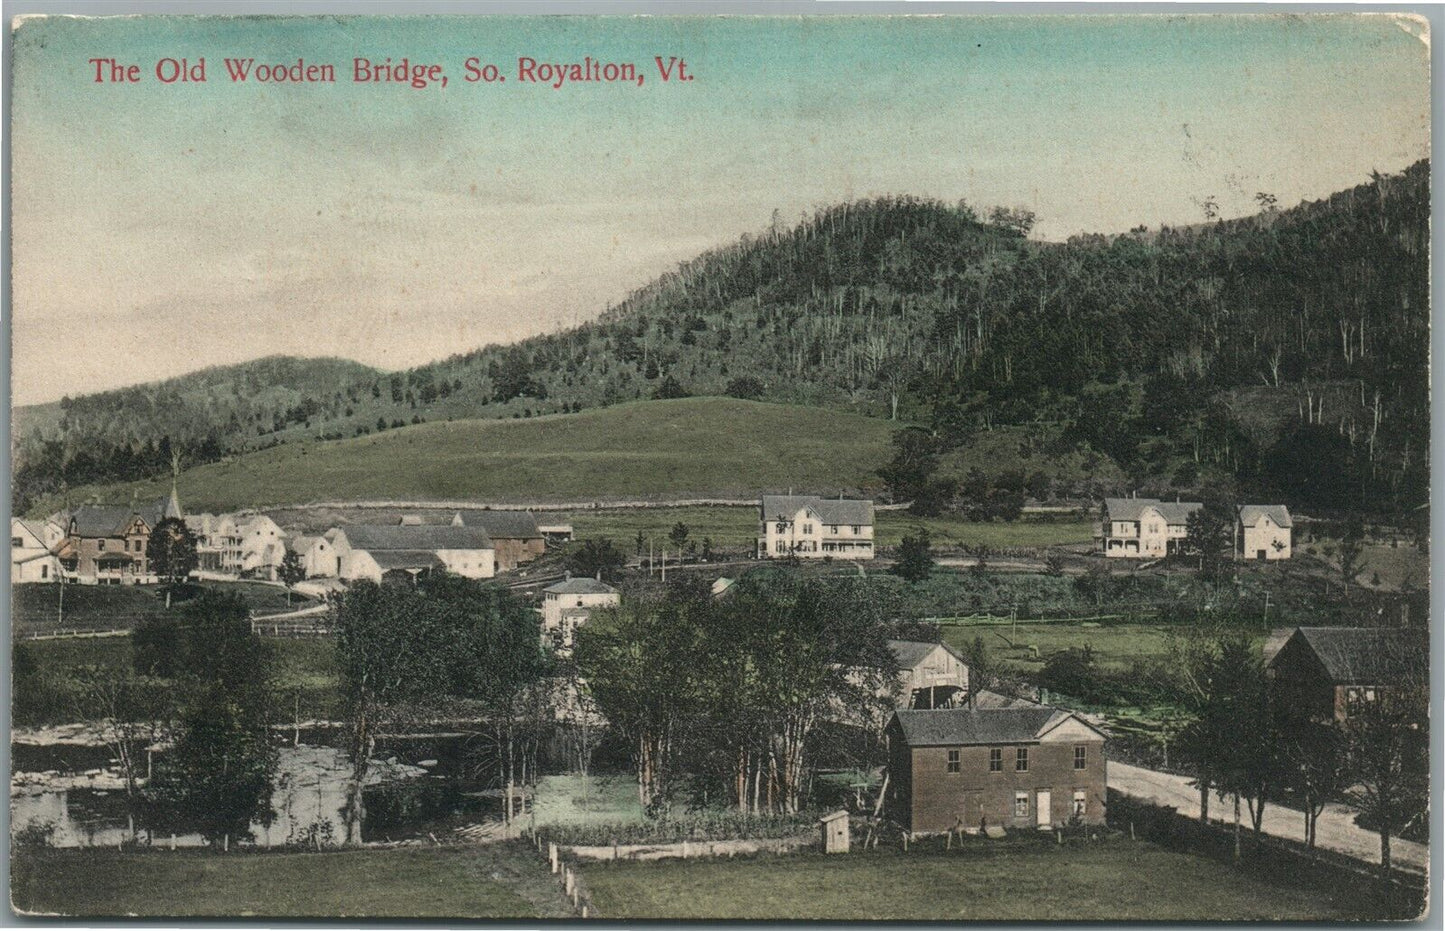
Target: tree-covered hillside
1285	353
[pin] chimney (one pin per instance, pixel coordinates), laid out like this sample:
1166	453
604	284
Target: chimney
568	576
599	575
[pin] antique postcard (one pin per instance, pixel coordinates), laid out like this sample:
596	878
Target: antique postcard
882	467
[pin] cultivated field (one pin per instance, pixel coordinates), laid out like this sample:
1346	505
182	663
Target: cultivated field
695	446
1115	880
502	881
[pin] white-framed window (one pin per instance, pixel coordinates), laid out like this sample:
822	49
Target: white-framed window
955	761
17	543
1081	756
1021	760
781	547
807	529
1081	802
995	759
1021	804
833	529
781	527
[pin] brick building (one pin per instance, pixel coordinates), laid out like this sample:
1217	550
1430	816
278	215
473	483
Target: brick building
1015	767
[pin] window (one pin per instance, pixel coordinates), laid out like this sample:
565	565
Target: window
1021	804
782	527
1081	757
44	571
781	547
100	546
833	529
807	529
857	529
955	760
16	543
995	759
1021	764
1081	803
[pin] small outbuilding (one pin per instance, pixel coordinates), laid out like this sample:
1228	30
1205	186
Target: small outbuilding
835	831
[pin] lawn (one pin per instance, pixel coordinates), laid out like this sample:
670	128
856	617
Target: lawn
1115	880
693	446
37	606
499	881
1026	645
736	528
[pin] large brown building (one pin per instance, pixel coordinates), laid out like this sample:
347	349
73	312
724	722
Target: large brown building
515	534
106	544
1322	672
1013	767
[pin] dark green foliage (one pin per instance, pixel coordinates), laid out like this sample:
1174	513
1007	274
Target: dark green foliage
598	558
915	557
171	551
747	388
669	390
217	779
1259	349
1209	535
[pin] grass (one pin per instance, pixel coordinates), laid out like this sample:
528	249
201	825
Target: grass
736	528
1112	881
500	881
693	446
36	606
1026	645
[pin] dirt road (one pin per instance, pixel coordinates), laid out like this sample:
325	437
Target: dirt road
1335	831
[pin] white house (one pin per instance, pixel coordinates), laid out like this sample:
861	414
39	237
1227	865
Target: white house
1262	531
811	527
218	542
1144	528
263	546
31	558
317	554
370	551
568	604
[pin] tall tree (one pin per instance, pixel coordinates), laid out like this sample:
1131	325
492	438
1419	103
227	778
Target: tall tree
171	553
915	556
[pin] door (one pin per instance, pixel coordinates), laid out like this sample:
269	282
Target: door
1043	804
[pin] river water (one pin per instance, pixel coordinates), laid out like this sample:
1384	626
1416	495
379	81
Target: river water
418	786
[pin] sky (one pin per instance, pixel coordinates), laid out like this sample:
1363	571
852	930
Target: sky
159	228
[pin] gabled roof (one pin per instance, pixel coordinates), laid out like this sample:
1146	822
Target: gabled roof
1132	509
378	537
828	510
1250	514
984	699
910	653
973	726
504	525
301	545
111	520
29	527
582	586
1363	655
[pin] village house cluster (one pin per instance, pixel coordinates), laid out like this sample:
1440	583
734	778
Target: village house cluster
1147	528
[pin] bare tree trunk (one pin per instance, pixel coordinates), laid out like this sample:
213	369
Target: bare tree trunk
1236	828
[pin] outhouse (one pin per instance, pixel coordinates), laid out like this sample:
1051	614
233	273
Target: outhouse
835	831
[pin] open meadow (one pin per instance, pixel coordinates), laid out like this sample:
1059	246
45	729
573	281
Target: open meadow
1115	880
719	447
499	881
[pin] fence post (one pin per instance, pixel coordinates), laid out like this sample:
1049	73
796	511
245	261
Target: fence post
684	849
552	856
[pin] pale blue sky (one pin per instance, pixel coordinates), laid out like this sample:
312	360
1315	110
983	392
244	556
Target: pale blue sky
158	229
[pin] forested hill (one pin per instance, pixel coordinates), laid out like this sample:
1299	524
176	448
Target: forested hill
1285	352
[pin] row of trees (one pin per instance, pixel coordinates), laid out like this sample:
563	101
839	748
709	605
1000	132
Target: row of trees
737	686
1244	740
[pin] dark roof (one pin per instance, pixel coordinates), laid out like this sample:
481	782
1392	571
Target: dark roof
508	525
910	653
582	586
1249	514
965	726
829	510
1363	655
405	559
110	520
1173	512
432	537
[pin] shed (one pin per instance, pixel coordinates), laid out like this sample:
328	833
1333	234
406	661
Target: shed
835	831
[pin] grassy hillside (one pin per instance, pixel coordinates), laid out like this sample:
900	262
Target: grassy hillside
692	446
